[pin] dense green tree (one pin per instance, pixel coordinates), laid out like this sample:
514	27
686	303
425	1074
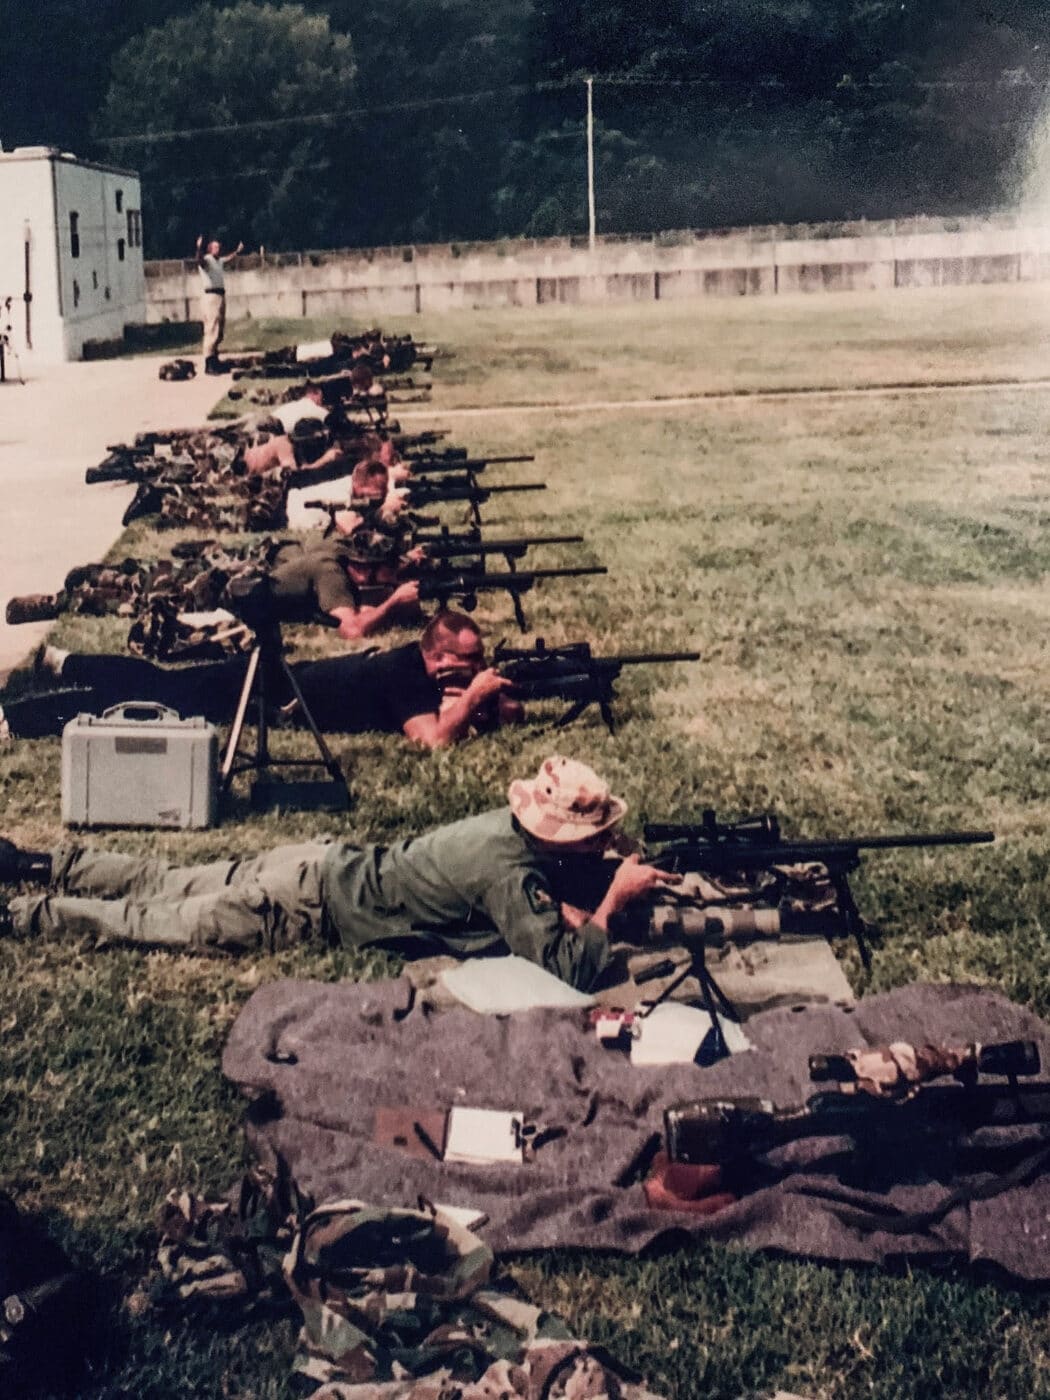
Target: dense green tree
468	115
241	79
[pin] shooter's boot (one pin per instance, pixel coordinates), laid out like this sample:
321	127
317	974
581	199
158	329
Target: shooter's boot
16	864
36	607
147	500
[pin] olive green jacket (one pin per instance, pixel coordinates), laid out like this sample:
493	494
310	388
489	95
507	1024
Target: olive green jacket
468	886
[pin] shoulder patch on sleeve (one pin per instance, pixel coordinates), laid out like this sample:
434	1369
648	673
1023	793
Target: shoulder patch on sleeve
540	899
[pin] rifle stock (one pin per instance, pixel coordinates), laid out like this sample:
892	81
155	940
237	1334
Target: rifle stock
722	1130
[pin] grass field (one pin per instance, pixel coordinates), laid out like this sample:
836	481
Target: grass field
866	578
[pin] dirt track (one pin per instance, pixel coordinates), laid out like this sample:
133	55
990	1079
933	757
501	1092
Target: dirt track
973	386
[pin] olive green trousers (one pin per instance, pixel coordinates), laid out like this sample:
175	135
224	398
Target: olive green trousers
257	904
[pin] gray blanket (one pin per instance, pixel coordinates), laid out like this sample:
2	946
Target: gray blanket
319	1060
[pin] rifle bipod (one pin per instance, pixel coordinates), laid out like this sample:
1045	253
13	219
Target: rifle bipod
267	659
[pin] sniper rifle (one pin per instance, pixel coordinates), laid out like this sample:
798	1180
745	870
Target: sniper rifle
572	673
710	853
470	544
464	586
756	844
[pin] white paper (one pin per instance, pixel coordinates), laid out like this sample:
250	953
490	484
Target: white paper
288	414
466	1216
672	1034
500	986
483	1135
313	350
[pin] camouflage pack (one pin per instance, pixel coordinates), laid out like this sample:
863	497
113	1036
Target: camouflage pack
402	1303
396	1304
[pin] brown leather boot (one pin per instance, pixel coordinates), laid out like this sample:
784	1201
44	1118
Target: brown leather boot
35	607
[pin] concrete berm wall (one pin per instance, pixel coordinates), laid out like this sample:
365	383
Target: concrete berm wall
370	283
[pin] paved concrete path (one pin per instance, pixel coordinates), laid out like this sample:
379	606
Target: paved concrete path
51	428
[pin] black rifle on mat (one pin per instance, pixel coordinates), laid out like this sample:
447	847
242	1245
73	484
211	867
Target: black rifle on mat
919	1125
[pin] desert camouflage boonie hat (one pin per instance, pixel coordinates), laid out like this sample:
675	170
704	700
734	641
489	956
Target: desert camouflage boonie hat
565	802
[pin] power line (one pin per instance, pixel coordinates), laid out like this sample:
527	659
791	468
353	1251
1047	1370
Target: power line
422	104
770	87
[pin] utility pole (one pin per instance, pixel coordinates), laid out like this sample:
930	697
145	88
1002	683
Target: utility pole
591	231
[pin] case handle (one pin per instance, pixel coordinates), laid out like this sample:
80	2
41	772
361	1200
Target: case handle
140	711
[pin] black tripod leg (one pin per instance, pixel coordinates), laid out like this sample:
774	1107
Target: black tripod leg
330	761
716	1003
573	712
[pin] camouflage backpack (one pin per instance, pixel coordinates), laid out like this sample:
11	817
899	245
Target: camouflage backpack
177	369
400	1304
396	1304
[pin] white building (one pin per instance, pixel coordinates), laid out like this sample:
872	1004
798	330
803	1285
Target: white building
70	253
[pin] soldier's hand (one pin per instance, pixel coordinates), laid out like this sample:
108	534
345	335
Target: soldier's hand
406	593
633	880
574	917
485	684
347	521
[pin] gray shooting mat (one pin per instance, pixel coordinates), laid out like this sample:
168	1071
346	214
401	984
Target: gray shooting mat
319	1061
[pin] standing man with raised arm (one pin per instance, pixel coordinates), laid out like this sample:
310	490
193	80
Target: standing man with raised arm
212	267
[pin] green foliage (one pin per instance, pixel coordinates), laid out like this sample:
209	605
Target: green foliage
465	118
216	68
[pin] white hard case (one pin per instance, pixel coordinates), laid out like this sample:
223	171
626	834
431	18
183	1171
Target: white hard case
139	764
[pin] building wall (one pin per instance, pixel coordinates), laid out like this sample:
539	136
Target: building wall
81	287
26	209
99	292
370	283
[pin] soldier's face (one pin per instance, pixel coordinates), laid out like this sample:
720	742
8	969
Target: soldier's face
378	575
458	661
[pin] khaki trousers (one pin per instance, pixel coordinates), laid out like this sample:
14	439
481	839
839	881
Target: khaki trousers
213	314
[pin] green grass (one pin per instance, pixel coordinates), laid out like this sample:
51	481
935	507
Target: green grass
718	345
866	578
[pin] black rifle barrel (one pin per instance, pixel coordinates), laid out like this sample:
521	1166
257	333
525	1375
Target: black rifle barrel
462	464
689	835
569	661
438	545
467	490
647	658
468	582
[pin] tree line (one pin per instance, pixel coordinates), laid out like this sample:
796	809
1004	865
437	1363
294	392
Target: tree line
397	121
